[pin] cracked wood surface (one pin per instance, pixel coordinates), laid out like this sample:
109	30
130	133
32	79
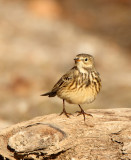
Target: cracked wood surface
105	136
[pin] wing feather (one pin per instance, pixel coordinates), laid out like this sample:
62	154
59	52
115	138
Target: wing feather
64	80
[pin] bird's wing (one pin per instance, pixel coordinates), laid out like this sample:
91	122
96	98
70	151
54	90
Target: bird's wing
64	80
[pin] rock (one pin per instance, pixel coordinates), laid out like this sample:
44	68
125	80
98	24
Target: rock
105	136
4	124
35	137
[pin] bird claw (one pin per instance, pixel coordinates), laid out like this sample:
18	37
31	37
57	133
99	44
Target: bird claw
84	113
67	114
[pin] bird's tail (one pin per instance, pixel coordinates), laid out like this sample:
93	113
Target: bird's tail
49	94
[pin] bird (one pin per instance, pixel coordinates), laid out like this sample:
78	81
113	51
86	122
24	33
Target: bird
79	85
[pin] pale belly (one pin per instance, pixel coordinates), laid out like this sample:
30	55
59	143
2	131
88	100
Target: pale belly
81	96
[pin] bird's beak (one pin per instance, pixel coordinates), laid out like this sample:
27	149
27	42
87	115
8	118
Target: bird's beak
77	60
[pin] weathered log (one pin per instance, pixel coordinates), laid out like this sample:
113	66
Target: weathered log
105	136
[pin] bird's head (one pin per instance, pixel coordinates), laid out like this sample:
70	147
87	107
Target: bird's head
84	62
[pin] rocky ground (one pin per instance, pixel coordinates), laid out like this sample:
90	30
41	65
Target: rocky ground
38	46
105	136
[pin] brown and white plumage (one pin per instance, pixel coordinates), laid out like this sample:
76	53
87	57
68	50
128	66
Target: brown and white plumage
79	85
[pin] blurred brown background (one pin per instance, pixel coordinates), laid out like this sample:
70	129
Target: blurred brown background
38	42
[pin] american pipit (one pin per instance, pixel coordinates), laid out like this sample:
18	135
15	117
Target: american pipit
79	85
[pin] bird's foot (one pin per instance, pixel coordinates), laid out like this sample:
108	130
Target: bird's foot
84	113
64	112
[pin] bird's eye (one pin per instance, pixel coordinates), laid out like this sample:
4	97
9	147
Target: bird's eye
86	59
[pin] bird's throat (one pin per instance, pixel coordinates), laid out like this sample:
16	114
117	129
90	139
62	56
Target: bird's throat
83	70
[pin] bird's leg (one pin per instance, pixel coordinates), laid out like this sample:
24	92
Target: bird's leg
83	112
64	111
